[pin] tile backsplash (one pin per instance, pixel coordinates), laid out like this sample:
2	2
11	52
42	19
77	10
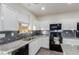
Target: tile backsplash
8	33
2	35
7	36
69	33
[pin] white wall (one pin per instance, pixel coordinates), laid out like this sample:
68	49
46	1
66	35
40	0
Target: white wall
69	20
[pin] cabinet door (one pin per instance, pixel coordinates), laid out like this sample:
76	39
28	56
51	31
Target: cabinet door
45	42
34	47
10	18
69	24
38	44
23	18
0	26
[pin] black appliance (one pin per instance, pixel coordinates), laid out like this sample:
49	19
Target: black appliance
54	33
77	34
53	45
22	51
55	26
77	26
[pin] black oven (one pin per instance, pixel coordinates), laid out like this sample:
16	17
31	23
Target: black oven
55	26
77	34
55	36
77	26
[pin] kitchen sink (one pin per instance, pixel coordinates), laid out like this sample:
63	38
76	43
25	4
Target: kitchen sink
28	39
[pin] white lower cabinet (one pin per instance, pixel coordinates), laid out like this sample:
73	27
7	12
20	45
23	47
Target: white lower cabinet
34	46
45	42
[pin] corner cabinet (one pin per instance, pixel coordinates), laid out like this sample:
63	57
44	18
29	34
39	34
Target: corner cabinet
39	42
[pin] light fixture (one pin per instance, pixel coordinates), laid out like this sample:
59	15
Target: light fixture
69	3
42	8
30	27
24	24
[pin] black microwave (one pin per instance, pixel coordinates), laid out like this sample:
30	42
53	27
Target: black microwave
55	26
77	26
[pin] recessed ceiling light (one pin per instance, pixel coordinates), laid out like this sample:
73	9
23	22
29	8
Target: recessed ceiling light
42	8
69	3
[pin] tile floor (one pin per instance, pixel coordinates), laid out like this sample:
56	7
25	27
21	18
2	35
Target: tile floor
44	51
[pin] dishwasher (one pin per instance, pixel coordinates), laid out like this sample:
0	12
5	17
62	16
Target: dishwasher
22	51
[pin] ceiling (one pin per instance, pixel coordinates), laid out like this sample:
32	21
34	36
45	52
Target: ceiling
50	8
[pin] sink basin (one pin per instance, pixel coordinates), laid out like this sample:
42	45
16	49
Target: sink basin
28	39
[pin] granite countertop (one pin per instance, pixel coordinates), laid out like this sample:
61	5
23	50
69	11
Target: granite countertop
7	48
71	41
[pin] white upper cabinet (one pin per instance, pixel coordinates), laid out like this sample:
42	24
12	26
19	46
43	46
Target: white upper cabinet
69	24
11	18
0	26
0	17
23	18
